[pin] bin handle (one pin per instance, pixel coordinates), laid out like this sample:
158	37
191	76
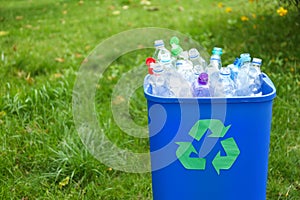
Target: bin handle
268	81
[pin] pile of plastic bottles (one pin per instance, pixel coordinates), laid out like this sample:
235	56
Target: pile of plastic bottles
179	73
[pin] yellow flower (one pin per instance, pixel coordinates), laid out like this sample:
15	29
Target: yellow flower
220	5
254	15
251	1
282	12
244	18
228	10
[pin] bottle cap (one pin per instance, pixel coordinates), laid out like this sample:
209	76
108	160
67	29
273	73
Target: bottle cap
203	78
174	40
193	53
217	51
158	43
245	57
176	50
149	62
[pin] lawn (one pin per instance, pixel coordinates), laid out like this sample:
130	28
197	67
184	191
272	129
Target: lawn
43	44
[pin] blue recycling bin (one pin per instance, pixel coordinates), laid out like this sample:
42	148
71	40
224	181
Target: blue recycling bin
210	148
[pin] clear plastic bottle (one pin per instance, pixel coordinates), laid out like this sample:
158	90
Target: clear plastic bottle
200	86
234	69
199	64
185	67
178	85
242	81
213	69
224	87
218	52
159	47
254	77
158	81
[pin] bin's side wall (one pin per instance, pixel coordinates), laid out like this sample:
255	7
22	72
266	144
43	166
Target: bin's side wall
245	179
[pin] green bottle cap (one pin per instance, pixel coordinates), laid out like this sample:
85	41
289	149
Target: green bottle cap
176	51
174	40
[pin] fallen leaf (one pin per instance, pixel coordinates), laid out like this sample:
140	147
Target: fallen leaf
28	26
180	8
78	55
64	182
118	99
57	75
19	17
21	74
3	33
2	114
152	8
14	47
29	80
116	12
60	60
125	7
111	7
80	2
145	2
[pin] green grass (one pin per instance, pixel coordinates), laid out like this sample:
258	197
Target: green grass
42	46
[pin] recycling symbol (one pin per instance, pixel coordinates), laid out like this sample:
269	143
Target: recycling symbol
218	130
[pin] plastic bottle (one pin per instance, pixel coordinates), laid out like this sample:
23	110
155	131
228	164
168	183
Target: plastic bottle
159	47
254	77
234	69
224	87
199	64
218	52
200	86
213	69
178	85
158	82
242	81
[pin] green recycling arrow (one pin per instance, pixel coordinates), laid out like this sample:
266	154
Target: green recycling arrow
197	132
232	152
216	126
183	154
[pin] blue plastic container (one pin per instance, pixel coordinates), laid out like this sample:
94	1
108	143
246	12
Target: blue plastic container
210	148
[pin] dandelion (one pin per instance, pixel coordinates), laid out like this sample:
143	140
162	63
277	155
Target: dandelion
244	18
220	5
282	12
228	10
251	1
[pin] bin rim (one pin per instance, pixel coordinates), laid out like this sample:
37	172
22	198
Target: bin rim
267	83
